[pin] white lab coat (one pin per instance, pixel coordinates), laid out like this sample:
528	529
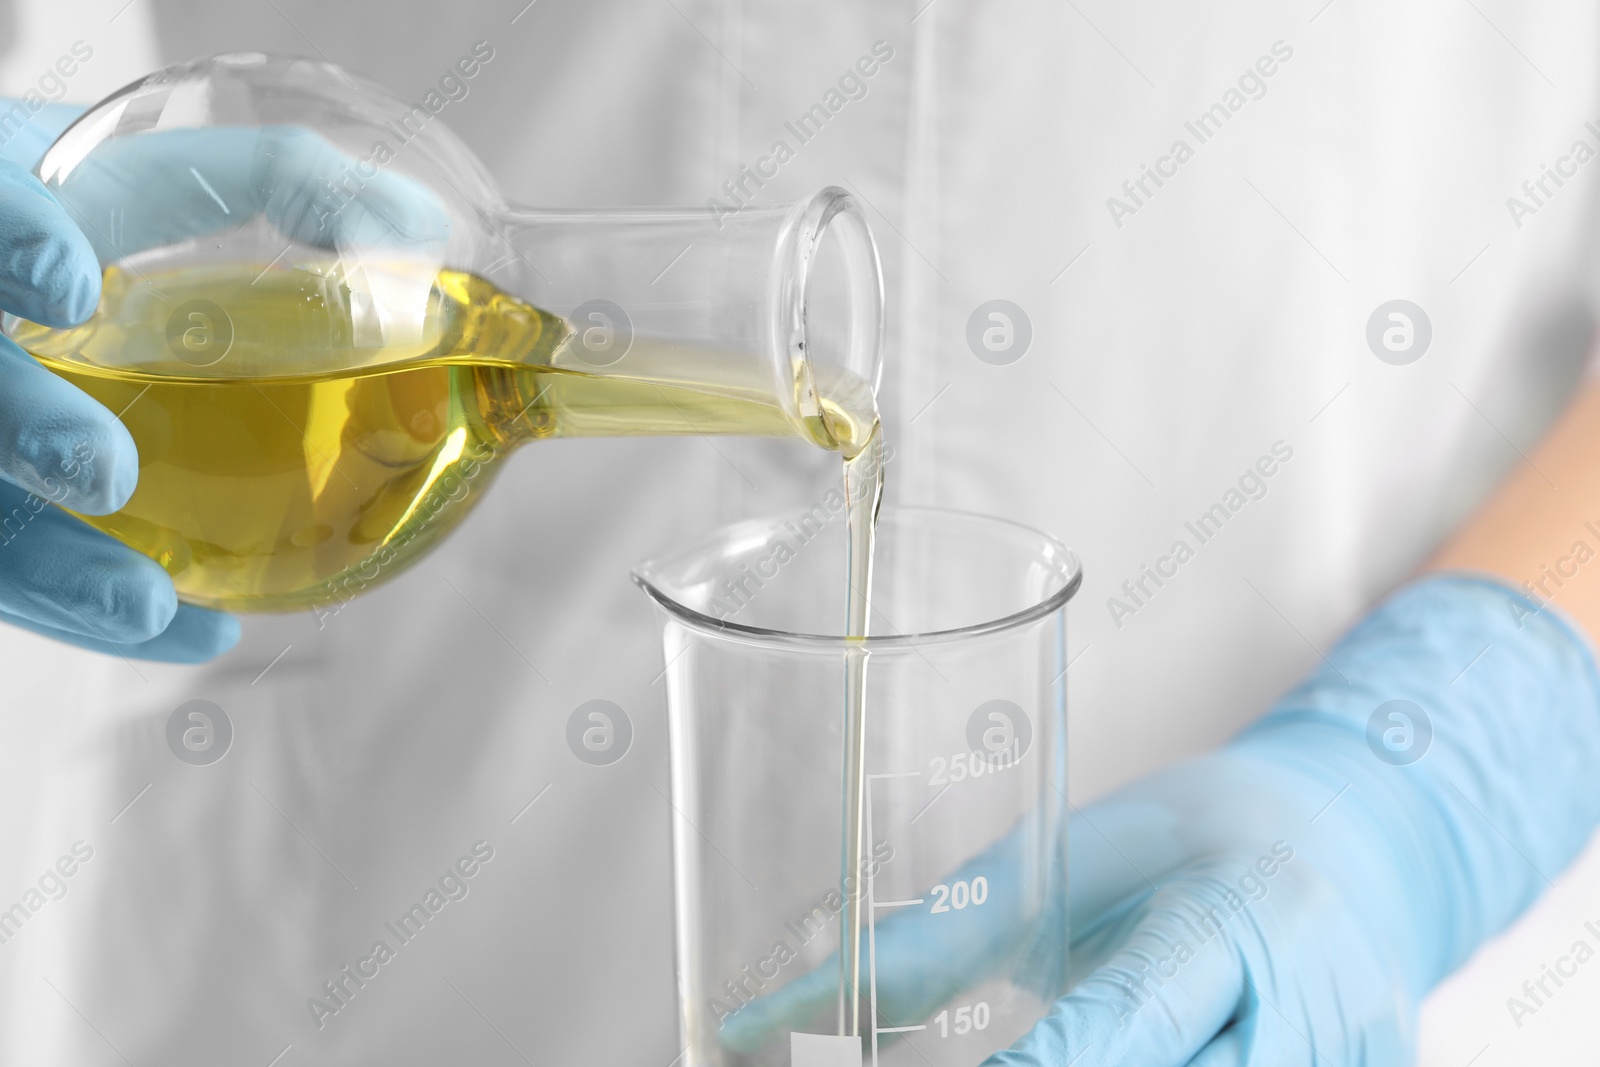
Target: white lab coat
1177	337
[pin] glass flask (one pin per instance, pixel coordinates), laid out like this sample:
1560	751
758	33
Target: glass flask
325	327
962	884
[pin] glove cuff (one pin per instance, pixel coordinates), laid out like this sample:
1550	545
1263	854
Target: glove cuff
1458	725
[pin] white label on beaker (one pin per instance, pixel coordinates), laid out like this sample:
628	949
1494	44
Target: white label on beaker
824	1050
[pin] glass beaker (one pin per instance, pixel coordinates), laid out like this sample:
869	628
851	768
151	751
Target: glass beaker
964	881
324	326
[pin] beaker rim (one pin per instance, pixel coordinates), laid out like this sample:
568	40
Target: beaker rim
1052	550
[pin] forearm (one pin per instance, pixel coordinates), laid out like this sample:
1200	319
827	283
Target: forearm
1540	530
1498	794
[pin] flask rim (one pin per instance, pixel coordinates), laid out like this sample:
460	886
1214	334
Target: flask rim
830	214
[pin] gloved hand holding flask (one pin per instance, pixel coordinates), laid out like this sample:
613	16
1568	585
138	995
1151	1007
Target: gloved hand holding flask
58	446
325	328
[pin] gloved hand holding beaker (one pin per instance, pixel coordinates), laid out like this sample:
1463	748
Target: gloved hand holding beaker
1289	898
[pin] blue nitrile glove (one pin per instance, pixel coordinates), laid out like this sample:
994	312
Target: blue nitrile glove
1289	898
193	182
58	577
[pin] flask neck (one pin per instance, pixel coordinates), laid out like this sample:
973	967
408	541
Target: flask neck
777	308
